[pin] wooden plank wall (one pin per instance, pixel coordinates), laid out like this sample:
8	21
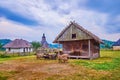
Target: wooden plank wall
80	35
76	46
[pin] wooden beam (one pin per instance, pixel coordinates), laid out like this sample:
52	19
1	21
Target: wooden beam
59	48
89	52
77	57
99	51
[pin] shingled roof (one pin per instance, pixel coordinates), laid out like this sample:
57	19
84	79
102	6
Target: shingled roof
117	43
18	43
82	29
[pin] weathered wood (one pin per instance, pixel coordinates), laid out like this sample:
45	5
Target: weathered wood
77	57
89	49
77	41
80	35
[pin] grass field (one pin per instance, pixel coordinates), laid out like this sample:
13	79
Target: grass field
107	67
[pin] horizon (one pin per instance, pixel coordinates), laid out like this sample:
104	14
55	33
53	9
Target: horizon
48	42
29	19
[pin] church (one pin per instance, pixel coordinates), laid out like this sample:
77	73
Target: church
44	43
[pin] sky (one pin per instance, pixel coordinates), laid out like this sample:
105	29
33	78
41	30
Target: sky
29	19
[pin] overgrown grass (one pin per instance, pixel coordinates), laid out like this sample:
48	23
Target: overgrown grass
3	78
29	68
3	75
10	56
109	60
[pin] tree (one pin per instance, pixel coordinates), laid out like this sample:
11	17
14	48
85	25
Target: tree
107	46
1	45
36	45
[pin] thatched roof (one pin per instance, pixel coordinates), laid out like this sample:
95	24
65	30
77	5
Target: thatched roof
18	43
82	29
117	43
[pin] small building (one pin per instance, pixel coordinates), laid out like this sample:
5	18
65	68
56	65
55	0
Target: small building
44	43
79	42
18	45
116	45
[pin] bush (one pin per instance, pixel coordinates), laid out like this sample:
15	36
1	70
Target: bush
4	56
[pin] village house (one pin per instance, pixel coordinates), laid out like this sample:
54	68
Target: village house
116	45
18	45
79	42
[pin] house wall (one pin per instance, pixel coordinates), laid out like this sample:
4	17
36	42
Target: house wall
11	50
27	49
79	48
30	49
15	50
95	49
116	47
80	35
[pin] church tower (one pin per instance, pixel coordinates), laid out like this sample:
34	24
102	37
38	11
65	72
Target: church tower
44	42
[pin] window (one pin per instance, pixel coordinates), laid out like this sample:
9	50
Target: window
73	36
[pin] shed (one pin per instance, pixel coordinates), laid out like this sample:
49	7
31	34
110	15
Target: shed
18	45
116	45
79	42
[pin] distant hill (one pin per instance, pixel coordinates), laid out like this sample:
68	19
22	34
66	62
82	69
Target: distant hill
107	44
3	42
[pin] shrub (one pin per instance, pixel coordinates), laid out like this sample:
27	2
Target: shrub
4	56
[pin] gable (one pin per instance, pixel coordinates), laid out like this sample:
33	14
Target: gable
73	33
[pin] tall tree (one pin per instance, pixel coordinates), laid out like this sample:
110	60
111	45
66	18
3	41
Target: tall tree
1	46
36	45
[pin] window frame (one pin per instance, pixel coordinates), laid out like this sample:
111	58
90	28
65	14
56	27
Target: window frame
74	36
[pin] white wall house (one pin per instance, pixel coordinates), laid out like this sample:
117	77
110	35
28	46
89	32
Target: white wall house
116	45
18	45
15	50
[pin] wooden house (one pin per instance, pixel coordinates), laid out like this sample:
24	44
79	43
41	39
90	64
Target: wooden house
79	42
18	46
116	45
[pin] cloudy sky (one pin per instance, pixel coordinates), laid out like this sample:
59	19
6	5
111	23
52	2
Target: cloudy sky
29	19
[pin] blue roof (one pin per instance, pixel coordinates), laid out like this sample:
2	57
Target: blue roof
117	43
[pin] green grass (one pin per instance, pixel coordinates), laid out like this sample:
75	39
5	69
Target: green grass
3	75
109	60
3	78
107	67
6	57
